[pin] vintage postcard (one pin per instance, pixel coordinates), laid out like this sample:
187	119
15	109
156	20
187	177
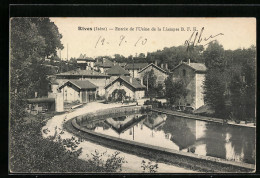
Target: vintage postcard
132	95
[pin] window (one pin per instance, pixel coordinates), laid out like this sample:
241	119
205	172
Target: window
184	72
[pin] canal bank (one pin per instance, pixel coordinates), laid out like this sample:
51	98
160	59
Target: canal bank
133	164
181	159
201	118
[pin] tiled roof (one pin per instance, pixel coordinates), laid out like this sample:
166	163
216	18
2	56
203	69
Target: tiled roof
153	65
83	57
106	63
136	66
198	67
79	72
135	83
117	70
81	84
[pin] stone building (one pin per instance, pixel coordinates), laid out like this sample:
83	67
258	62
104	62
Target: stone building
193	76
84	62
116	71
97	78
79	90
134	68
103	65
133	88
160	73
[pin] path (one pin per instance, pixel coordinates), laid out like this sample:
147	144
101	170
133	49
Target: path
133	164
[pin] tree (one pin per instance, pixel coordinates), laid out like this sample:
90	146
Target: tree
175	90
49	31
214	89
214	85
28	49
149	81
237	97
214	56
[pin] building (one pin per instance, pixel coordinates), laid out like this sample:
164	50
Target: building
134	68
193	76
85	63
116	71
160	73
133	88
100	80
103	65
79	90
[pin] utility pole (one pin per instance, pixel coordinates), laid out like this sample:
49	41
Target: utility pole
67	57
60	60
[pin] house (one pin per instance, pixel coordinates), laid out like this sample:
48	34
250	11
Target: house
133	88
79	90
160	73
84	62
99	79
116	71
134	68
193	76
103	65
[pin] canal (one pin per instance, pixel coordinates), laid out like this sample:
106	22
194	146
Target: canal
228	142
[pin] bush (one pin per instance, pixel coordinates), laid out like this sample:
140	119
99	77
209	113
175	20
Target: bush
154	103
31	153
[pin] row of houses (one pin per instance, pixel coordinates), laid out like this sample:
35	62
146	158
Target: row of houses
101	77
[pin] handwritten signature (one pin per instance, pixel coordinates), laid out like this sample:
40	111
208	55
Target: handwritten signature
196	39
102	41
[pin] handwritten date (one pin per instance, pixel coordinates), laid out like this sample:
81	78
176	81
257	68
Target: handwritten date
122	40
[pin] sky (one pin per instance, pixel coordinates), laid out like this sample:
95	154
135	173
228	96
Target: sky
232	33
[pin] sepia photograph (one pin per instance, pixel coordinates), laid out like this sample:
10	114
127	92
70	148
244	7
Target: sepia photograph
132	95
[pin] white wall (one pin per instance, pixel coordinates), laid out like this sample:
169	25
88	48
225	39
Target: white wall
200	78
71	94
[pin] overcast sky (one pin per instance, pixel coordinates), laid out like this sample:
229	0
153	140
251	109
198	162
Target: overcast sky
235	33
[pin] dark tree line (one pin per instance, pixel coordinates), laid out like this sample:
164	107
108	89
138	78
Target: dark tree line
32	41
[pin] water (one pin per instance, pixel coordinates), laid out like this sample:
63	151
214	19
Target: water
202	138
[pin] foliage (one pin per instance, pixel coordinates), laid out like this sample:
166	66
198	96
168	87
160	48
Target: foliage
112	164
150	80
214	89
175	90
149	167
118	94
31	40
155	103
31	153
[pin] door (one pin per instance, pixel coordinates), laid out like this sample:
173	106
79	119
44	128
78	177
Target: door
84	96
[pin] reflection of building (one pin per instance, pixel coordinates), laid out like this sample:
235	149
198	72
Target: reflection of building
133	88
193	76
154	122
125	123
79	90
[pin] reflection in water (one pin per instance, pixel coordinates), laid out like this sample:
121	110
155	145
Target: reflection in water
198	137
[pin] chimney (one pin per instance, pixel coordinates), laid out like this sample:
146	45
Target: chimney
35	94
155	62
189	61
114	63
131	80
142	81
162	65
166	66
